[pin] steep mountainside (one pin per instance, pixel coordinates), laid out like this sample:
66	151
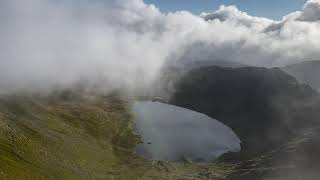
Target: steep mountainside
276	118
261	105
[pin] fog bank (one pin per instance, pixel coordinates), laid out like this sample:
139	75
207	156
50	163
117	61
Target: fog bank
106	45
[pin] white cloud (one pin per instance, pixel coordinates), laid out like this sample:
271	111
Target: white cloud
123	43
311	11
237	36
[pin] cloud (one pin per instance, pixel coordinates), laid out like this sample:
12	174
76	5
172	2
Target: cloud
47	44
311	11
234	35
232	13
55	44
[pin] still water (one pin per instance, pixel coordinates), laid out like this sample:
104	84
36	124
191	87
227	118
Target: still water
173	133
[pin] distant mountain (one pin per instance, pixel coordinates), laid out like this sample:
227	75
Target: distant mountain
206	63
307	72
195	64
172	72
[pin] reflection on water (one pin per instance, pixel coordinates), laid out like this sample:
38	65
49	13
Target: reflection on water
172	133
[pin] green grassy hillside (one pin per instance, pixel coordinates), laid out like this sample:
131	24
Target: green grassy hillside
80	137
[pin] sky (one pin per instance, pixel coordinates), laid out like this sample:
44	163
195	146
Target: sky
274	9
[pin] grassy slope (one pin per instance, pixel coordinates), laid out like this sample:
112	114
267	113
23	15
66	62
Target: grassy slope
80	138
